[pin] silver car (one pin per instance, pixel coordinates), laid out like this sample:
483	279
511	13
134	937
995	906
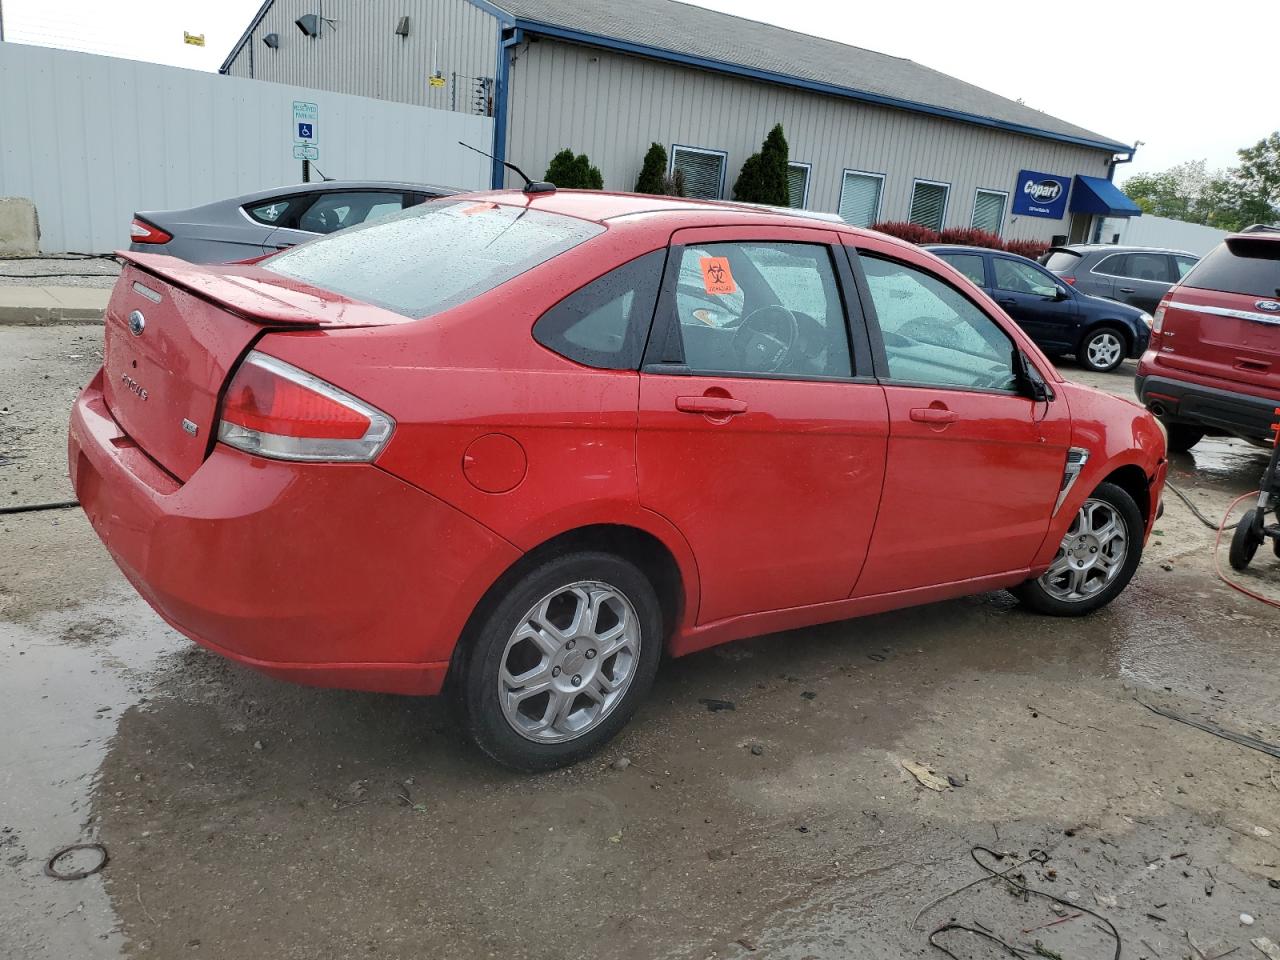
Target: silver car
264	222
1138	276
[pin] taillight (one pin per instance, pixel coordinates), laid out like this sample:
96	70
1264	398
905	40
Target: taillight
275	410
1157	318
1070	280
142	232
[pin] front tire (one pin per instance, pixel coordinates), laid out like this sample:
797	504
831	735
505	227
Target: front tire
561	661
1096	559
1102	349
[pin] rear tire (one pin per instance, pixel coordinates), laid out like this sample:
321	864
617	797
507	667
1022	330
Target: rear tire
1096	560
1183	436
1103	349
557	666
1244	542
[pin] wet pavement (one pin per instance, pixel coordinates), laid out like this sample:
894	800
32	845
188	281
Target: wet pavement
249	818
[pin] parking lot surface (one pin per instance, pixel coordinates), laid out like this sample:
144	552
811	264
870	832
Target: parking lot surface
248	818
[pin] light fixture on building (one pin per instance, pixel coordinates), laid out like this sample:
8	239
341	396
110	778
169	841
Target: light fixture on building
402	27
309	24
272	40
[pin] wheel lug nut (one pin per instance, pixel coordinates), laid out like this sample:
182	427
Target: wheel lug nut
577	680
1093	549
569	645
555	671
591	654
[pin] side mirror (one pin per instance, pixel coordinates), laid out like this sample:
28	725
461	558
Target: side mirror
1060	295
1029	380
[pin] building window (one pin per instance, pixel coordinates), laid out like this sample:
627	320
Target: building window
988	210
703	171
860	197
798	185
929	204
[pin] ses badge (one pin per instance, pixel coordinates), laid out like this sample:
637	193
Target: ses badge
1041	195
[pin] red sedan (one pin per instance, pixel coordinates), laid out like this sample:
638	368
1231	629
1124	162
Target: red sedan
525	444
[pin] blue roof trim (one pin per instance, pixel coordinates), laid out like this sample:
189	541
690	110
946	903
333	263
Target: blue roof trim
1098	196
848	93
246	36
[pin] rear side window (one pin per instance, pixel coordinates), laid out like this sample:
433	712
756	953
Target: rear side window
429	258
1243	265
334	211
273	213
970	264
605	324
1062	261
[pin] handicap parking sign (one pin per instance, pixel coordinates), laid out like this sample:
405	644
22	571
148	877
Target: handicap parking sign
305	123
304	131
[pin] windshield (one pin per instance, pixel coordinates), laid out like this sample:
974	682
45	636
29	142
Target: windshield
432	257
1240	265
1061	260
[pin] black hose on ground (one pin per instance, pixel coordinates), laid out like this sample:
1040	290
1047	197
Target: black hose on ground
35	507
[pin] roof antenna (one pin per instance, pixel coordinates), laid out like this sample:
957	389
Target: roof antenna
530	186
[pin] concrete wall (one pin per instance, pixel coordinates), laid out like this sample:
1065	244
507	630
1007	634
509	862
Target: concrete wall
362	54
1149	231
93	139
612	106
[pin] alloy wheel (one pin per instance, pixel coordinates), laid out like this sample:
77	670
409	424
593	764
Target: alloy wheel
1091	554
1104	350
569	662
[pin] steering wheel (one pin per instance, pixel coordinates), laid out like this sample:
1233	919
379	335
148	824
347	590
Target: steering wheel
765	339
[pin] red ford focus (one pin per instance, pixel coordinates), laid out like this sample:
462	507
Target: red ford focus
525	444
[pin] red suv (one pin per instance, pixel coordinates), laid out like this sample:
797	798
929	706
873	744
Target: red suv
1213	366
528	444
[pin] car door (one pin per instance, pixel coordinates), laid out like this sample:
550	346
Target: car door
760	437
334	210
1037	301
974	464
1147	277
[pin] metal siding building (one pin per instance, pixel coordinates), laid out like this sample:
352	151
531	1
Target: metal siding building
608	79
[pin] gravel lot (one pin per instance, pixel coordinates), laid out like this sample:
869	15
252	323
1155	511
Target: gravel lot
66	271
248	818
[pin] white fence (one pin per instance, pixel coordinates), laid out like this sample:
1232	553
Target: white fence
92	139
1149	231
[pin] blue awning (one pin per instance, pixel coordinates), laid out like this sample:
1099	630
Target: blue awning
1095	195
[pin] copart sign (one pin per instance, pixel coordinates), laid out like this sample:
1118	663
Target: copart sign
1041	195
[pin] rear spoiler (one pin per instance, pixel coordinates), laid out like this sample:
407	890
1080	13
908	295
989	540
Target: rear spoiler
260	295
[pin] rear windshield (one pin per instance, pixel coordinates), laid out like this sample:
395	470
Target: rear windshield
435	256
1242	265
1059	260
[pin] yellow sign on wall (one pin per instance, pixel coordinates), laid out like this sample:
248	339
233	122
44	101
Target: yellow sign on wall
435	81
195	39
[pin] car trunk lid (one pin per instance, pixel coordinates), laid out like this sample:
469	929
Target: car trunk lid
1223	320
174	333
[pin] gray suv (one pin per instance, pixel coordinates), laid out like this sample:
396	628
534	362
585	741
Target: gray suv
1138	276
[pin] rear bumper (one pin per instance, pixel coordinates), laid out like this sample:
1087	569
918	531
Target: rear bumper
1216	408
336	575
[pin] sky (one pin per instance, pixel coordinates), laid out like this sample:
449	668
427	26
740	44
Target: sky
1167	74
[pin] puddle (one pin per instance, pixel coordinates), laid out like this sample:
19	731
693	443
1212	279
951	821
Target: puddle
65	679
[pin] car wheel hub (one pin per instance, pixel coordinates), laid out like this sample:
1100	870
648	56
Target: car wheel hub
1091	554
569	662
1104	349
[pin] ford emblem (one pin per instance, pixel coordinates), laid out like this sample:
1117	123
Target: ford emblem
1270	306
137	323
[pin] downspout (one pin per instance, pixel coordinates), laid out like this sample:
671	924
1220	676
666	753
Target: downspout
509	36
1096	232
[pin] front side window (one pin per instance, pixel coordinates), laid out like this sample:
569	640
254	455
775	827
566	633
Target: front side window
434	256
335	211
702	170
860	198
970	264
1019	277
761	308
929	204
988	211
605	323
935	335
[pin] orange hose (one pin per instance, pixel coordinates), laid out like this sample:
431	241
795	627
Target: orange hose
1217	562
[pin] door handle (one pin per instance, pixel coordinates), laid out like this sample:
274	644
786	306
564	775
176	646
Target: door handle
711	406
934	415
1128	290
1010	302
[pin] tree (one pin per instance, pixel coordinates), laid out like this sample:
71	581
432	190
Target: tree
1259	179
1173	193
654	171
763	178
573	173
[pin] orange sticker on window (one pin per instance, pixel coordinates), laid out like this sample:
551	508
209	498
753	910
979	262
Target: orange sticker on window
716	275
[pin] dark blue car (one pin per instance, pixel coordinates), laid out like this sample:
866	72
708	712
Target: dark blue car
1100	333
